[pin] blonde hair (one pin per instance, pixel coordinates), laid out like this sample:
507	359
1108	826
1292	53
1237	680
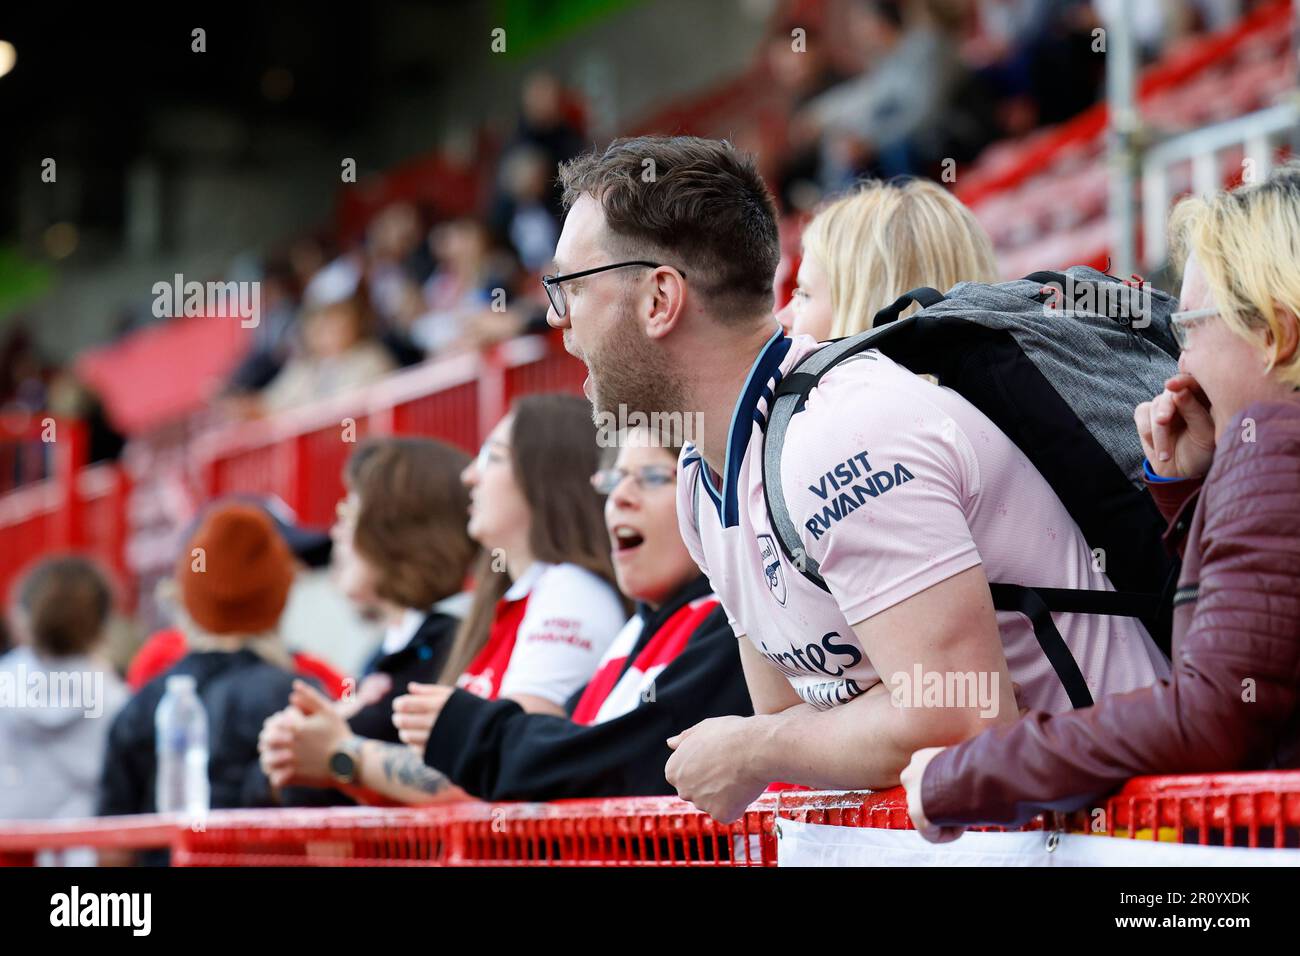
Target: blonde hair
1247	243
884	239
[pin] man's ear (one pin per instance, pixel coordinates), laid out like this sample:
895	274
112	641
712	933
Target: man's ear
667	303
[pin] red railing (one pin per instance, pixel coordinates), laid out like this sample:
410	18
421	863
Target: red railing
1042	149
65	504
297	456
1258	809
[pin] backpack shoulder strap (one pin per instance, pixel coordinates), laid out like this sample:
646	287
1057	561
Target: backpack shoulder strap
788	399
1028	601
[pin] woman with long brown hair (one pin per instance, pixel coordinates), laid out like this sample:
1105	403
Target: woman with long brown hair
545	604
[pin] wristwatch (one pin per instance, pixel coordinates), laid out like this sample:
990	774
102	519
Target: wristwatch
345	763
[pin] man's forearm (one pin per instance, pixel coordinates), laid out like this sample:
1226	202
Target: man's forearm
397	772
826	751
864	744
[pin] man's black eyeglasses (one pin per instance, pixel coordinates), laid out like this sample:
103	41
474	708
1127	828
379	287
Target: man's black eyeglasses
555	291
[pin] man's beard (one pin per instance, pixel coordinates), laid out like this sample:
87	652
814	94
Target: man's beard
633	371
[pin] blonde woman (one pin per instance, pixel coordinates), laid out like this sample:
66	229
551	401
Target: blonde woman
865	249
1223	463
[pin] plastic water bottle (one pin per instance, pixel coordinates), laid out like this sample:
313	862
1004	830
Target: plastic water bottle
181	733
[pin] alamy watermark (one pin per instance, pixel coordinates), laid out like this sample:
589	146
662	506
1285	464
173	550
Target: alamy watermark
958	689
133	911
1133	305
666	429
225	299
38	690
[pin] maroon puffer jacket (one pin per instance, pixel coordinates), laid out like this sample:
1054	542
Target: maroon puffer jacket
1233	699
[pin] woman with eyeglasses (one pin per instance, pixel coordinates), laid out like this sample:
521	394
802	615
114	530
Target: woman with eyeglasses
1223	463
543	612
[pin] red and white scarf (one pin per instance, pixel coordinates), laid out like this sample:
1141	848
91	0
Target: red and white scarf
613	691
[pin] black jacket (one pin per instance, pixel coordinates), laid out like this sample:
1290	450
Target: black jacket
421	661
239	691
496	751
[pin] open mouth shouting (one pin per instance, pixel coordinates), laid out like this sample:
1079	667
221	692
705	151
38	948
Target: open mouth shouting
626	540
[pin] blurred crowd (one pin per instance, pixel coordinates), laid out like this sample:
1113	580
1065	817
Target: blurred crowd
416	286
869	88
531	599
898	87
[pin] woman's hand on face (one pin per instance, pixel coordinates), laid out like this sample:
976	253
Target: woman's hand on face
1176	429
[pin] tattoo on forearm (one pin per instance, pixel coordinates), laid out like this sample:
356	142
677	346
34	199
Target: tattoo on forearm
403	766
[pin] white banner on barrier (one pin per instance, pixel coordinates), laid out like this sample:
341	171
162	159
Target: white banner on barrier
808	844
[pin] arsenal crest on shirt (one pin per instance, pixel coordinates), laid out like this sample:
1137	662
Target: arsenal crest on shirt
772	567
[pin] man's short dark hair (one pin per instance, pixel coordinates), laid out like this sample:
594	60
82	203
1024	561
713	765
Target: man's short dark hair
696	204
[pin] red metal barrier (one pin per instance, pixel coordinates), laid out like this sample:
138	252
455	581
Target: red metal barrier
529	369
103	491
297	456
451	415
26	519
51	513
1260	809
20	842
1041	151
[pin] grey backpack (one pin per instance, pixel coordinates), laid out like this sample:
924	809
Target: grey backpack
1062	383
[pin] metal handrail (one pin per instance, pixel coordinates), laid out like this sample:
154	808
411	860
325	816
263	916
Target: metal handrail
1258	133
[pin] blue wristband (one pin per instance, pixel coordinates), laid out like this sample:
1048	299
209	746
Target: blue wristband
1152	476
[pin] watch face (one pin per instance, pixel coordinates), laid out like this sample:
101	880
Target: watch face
342	766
